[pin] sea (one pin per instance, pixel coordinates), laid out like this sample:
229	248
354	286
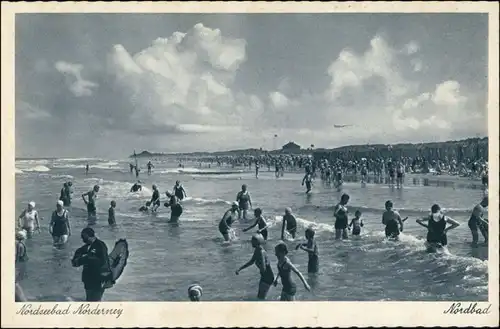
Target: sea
165	259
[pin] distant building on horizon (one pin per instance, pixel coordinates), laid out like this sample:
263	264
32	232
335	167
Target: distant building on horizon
290	147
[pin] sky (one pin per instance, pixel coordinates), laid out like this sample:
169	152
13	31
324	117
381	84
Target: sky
106	84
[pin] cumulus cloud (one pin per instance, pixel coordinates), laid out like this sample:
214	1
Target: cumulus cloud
278	100
411	48
417	65
185	79
448	94
76	84
351	70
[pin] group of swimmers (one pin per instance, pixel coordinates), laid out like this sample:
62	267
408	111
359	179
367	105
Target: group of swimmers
437	225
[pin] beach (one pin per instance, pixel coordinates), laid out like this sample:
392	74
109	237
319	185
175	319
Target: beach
165	259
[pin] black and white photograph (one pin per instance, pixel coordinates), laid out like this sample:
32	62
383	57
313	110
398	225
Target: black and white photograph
251	157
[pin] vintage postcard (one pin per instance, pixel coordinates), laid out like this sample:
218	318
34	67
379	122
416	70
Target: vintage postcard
212	164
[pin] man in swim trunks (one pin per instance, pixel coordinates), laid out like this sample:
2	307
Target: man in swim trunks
244	201
391	219
93	256
260	221
155	199
341	218
136	187
91	203
28	220
150	166
290	223
261	260
227	220
308	180
476	222
87	169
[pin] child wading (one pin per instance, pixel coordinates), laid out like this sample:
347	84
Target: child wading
312	249
285	269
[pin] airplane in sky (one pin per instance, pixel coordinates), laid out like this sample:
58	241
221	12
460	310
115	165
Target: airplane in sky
341	126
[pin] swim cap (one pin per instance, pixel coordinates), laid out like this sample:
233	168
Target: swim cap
235	204
21	235
288	210
154	185
60	203
195	290
32	203
388	204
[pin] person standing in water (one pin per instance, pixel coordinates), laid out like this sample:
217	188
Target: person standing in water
111	213
137	171
260	221
257	167
93	256
59	226
150	166
308	180
260	259
21	251
356	223
28	220
436	227
175	210
227	220
245	202
391	219
179	191
476	221
91	203
289	223
86	169
285	269
311	248
341	218
400	171
155	199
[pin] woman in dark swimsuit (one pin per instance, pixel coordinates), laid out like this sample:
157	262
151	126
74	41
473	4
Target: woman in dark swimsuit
436	228
261	260
341	219
179	191
260	221
285	268
59	226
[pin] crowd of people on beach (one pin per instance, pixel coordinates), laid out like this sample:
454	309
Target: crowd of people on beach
93	255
